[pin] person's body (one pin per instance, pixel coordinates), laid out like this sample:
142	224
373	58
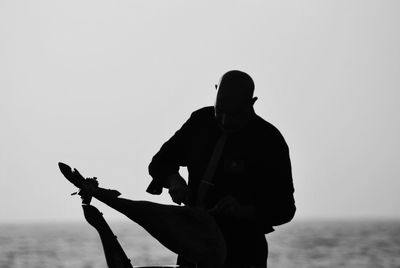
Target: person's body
175	227
251	187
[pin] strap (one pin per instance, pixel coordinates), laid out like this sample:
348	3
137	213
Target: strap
208	176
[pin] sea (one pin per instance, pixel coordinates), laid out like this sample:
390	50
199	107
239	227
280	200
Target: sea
303	243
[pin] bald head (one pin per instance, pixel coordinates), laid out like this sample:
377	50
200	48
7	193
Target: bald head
238	84
234	103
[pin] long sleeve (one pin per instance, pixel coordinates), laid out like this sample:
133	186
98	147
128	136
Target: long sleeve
275	202
171	156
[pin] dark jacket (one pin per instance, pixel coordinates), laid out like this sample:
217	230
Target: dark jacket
254	168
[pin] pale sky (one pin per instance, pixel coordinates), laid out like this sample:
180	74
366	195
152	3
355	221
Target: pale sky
100	85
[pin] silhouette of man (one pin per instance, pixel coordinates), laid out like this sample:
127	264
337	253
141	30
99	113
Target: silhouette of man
238	169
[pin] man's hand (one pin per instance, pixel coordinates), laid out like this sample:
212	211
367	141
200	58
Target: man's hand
178	189
230	207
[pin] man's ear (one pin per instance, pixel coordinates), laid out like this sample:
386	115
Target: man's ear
253	100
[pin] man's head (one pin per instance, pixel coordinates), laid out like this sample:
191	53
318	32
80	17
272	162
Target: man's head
234	102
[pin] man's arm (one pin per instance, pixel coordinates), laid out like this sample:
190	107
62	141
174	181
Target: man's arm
275	201
164	166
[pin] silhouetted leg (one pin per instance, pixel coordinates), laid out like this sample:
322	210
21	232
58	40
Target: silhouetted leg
186	231
189	232
115	255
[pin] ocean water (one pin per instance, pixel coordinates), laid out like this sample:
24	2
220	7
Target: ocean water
308	244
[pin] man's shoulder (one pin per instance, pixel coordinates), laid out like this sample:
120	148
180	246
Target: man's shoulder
201	118
265	125
265	128
204	111
203	114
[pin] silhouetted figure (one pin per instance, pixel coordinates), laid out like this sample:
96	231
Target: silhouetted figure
239	171
185	231
114	254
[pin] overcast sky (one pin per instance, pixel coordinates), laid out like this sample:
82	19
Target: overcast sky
101	85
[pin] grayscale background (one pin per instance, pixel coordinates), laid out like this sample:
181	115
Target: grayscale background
100	85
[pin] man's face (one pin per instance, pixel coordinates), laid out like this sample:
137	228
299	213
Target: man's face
232	109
